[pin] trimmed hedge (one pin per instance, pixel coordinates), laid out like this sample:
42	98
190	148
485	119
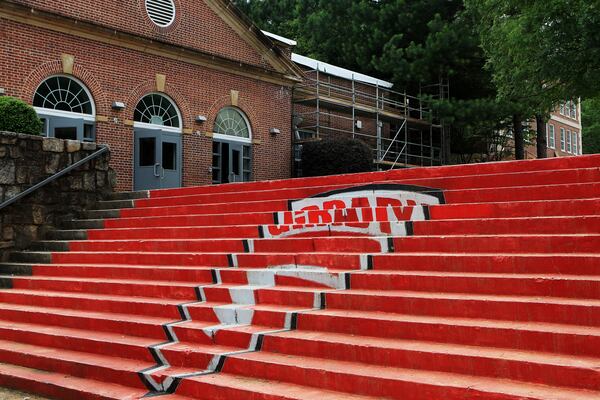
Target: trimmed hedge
19	117
336	156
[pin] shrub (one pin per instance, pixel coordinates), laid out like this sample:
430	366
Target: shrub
336	156
18	116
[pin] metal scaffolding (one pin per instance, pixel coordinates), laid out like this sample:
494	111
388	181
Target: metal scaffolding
400	129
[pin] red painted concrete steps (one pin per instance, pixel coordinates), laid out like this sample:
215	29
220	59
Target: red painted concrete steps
462	282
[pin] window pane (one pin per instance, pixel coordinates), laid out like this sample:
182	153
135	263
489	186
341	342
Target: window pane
66	133
147	152
235	161
169	156
89	132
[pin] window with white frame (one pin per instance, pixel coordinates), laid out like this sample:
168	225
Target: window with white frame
157	109
66	108
232	123
551	136
575	141
562	108
574	109
568	141
562	139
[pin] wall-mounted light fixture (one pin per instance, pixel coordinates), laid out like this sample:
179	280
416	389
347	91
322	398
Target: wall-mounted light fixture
358	124
118	105
2	91
200	118
274	131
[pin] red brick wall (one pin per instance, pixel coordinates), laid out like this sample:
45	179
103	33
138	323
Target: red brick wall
195	25
29	54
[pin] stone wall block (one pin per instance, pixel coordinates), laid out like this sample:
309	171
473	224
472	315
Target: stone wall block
100	179
22	174
73	146
89	181
88	146
8	139
8	233
76	183
7	171
3	151
52	163
15	152
53	145
38	213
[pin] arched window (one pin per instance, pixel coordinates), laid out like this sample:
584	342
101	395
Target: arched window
63	93
66	108
157	109
232	122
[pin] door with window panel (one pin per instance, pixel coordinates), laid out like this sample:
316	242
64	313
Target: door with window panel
232	162
158	159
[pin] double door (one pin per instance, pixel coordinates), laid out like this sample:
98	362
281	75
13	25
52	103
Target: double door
158	159
232	162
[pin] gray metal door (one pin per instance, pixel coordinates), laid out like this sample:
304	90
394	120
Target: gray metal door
157	159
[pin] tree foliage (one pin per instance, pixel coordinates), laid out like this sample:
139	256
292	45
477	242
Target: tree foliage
18	116
504	60
590	119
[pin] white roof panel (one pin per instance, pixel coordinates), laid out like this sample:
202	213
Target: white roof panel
338	71
281	39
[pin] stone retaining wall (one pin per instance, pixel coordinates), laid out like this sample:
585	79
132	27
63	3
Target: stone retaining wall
26	160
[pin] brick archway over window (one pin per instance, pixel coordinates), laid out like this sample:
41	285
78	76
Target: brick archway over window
43	71
150	87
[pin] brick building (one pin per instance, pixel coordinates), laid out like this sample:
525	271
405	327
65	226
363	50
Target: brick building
184	92
563	130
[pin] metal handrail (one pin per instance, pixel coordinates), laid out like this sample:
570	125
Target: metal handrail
103	149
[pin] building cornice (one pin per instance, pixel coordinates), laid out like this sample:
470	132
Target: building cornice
86	30
566	121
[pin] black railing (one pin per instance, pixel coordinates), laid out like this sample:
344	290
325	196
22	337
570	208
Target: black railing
103	149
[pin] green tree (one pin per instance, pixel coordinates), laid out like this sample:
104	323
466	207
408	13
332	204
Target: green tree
590	119
410	43
540	52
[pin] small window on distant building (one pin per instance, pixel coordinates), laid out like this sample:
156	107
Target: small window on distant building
562	108
562	139
161	12
574	109
568	141
575	143
551	137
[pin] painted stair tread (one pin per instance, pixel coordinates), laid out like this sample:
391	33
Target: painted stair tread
75	363
449	182
84	314
472	179
224	386
110	281
265	363
457	321
64	386
388	344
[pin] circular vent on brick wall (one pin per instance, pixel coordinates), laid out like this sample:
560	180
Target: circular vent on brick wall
161	12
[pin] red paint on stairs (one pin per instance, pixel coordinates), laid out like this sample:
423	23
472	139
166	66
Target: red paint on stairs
462	282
